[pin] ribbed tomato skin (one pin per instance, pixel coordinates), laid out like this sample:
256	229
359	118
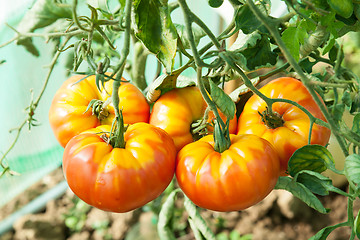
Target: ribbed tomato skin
177	109
67	113
295	131
120	179
233	180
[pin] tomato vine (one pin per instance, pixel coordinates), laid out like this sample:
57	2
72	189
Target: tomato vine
266	46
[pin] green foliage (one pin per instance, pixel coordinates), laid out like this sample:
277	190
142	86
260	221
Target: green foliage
293	37
352	168
156	30
43	13
296	43
165	217
247	21
300	191
198	33
233	235
311	157
196	221
222	100
76	217
357	225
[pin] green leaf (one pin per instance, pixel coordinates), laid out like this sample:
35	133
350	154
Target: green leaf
293	37
357	225
165	218
163	83
356	124
311	157
333	26
215	3
259	55
329	45
236	94
301	192
222	100
352	168
307	65
247	21
318	183
244	41
156	30
42	14
344	8
234	235
198	33
222	236
346	98
198	221
323	233
337	111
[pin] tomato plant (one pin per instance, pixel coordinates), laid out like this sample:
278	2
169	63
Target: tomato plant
178	111
71	111
119	179
286	127
295	114
233	180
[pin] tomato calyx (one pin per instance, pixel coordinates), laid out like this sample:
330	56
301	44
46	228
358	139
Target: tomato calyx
117	136
221	136
199	129
98	108
271	119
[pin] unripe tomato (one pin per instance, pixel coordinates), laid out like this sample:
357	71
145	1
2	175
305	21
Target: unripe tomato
68	116
233	180
176	110
293	132
120	179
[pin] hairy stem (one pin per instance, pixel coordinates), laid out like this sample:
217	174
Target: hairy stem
35	103
119	140
275	34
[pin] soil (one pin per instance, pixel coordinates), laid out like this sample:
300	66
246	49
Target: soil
279	216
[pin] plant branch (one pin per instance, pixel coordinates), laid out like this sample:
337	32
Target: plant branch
119	137
33	105
275	34
189	19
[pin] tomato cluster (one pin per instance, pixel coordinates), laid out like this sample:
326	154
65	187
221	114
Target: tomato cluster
163	143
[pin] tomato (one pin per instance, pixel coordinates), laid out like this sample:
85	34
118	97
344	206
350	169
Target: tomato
67	114
293	133
233	180
120	179
176	110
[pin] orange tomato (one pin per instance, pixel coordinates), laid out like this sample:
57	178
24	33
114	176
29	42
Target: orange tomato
120	179
67	114
233	180
293	133
176	110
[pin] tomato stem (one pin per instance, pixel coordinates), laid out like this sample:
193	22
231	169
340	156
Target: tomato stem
275	34
119	140
221	130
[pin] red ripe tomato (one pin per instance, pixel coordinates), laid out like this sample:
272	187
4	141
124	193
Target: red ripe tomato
293	132
120	179
67	114
233	180
176	110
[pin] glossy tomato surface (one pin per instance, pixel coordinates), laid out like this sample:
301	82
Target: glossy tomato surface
120	179
294	132
176	110
68	116
233	180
